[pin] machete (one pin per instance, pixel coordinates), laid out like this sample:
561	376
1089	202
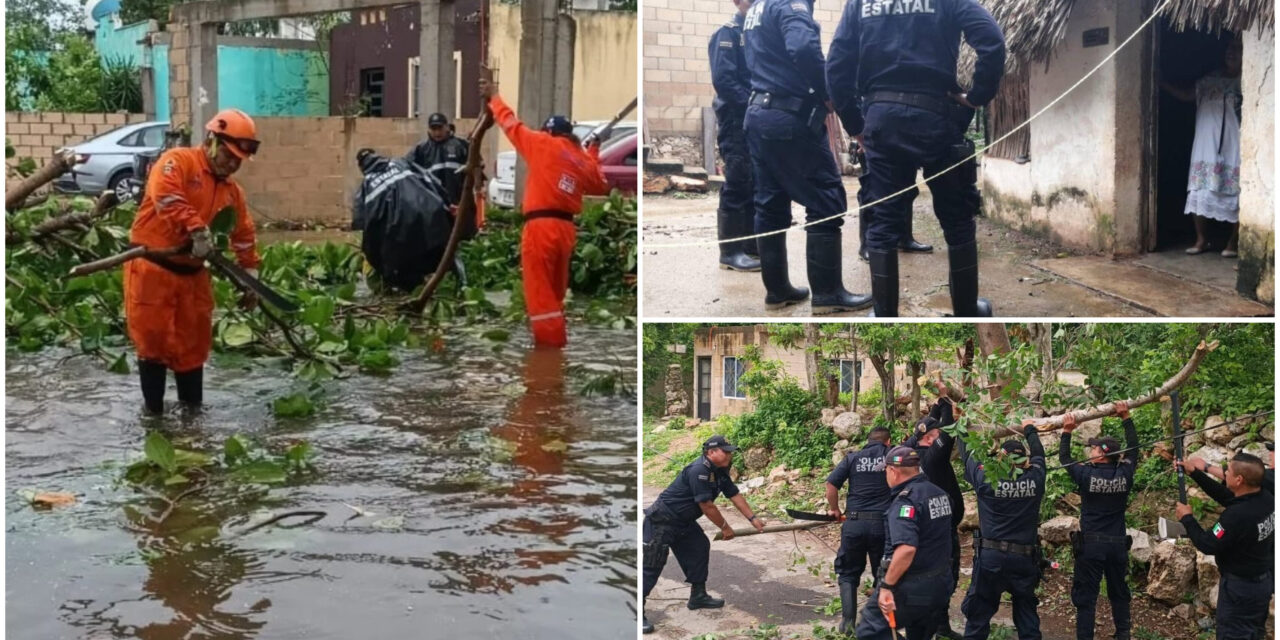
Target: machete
1173	528
805	515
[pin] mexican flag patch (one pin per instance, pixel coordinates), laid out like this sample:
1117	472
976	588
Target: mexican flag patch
1218	531
907	511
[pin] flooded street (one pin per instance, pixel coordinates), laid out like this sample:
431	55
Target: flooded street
491	497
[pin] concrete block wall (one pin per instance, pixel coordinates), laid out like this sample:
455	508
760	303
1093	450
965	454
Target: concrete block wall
677	78
306	169
38	135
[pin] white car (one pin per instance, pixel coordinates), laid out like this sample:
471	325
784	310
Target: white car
502	188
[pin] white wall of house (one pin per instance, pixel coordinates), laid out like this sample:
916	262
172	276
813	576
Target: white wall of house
1257	168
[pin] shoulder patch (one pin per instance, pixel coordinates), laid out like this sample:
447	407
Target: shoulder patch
800	6
1218	531
907	512
168	166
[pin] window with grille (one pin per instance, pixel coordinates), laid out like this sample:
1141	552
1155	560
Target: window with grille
733	370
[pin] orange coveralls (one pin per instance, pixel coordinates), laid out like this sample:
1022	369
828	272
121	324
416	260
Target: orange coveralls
170	314
560	173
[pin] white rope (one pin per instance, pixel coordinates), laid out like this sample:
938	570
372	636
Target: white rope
1053	103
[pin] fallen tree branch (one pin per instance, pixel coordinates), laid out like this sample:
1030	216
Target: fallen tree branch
105	203
60	164
773	528
118	259
465	218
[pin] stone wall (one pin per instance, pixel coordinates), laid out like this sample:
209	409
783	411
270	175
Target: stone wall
38	135
1257	167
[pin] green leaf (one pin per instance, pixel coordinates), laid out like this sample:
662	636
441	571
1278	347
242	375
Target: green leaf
120	365
237	335
377	361
318	312
260	472
176	478
497	335
159	451
224	221
235	449
295	405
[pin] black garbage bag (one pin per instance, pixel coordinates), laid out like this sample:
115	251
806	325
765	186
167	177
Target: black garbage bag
405	220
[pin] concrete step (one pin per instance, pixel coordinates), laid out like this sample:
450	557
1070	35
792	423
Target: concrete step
697	173
664	166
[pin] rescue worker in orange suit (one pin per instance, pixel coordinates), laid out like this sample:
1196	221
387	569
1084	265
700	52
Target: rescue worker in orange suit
169	301
560	173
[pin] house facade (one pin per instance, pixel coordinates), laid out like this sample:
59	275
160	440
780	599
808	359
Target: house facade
718	363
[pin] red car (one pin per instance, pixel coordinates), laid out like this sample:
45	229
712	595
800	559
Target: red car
618	159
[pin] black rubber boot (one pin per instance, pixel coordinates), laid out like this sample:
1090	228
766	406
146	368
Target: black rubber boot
863	221
773	271
1120	612
732	256
648	626
848	607
884	283
190	387
965	302
699	599
822	256
908	242
152	376
747	227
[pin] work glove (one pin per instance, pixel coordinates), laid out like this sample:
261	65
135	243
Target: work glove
201	243
249	301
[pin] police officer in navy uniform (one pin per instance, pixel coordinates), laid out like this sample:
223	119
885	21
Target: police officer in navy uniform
862	534
787	133
736	216
915	581
1007	549
671	522
897	58
935	446
441	155
1241	543
1101	546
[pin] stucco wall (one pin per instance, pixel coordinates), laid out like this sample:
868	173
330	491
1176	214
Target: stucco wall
677	78
121	43
1068	191
1257	167
273	81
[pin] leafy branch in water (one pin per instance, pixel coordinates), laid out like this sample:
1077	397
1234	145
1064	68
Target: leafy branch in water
341	324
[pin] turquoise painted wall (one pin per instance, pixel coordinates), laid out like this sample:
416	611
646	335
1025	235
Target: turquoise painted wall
119	43
276	82
160	73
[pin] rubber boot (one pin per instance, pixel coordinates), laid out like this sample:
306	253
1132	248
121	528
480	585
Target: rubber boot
863	221
884	283
747	226
848	607
965	302
732	256
773	271
822	256
152	376
908	242
1120	613
648	626
190	386
699	599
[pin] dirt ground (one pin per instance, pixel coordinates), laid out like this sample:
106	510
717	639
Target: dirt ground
1021	275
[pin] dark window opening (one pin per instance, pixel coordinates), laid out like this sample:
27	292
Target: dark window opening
372	83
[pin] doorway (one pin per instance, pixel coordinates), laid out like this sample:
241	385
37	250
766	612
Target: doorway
704	387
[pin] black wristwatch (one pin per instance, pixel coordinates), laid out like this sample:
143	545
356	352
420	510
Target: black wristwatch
751	518
891	588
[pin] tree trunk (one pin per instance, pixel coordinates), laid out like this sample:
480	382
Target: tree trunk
811	356
856	387
1042	334
884	368
915	391
59	165
993	338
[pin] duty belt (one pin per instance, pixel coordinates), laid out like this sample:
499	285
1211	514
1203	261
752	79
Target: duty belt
864	515
549	213
1265	576
171	266
1028	550
1098	537
781	103
928	102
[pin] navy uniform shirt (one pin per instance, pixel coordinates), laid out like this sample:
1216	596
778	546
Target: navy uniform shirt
1241	540
910	46
1010	511
441	160
700	481
920	516
1104	488
784	52
864	470
935	460
729	73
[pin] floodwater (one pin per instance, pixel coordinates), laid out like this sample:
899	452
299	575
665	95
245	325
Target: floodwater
498	501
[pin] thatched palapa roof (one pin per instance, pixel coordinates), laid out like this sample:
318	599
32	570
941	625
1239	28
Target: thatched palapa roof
1034	28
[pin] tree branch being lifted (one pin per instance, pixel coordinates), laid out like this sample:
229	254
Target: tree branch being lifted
60	164
465	217
773	528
